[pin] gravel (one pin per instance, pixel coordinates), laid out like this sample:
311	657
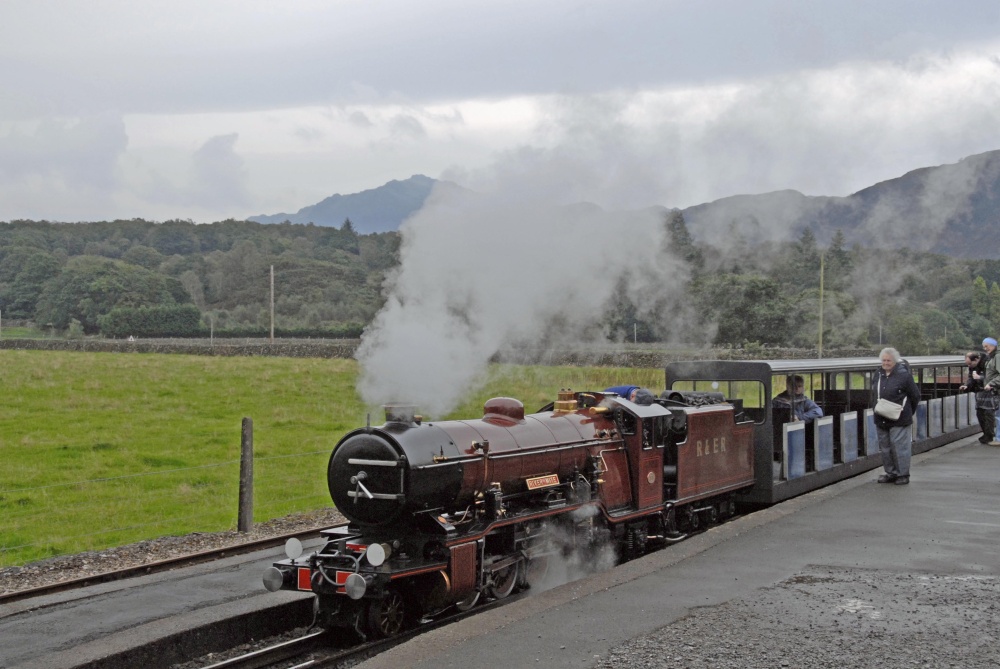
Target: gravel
81	565
831	618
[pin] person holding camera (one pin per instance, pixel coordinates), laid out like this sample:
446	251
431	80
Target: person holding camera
896	395
991	385
976	362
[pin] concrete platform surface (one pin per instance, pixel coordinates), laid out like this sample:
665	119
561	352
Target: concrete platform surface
780	587
72	628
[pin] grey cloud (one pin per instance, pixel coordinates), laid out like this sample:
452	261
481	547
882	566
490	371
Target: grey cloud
308	134
219	175
82	152
360	120
215	179
227	57
406	125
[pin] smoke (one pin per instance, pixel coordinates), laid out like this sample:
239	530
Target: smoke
568	560
482	273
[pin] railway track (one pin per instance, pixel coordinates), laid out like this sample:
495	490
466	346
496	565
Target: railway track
323	650
160	565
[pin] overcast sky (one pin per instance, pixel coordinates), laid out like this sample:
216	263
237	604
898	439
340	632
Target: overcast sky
210	110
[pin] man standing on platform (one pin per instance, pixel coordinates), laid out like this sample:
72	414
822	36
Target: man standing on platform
976	362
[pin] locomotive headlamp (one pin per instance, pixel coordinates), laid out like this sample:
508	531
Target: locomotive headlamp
293	548
375	554
355	586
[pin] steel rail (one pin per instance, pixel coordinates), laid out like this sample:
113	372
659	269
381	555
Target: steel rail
160	565
280	652
321	642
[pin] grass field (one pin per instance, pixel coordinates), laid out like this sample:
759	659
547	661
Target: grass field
21	333
102	449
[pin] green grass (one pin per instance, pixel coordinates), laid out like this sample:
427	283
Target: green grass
102	449
20	333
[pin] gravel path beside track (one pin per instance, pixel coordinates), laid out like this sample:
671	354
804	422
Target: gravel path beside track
828	618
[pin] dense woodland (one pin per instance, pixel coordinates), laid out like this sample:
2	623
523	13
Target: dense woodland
100	278
177	278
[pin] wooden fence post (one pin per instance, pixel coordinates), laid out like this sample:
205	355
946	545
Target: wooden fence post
245	522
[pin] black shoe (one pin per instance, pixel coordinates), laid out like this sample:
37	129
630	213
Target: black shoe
984	440
902	480
886	478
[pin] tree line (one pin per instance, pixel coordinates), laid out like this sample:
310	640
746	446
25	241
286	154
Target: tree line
145	278
754	293
176	278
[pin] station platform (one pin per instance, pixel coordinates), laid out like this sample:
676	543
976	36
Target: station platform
856	574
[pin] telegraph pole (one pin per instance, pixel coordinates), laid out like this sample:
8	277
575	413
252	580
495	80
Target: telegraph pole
272	304
821	268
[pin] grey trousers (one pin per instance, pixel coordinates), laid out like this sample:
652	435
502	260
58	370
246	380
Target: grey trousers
896	445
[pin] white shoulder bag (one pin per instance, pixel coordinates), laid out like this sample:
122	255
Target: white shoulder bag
888	409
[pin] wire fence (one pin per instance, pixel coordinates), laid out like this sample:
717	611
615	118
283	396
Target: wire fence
54	519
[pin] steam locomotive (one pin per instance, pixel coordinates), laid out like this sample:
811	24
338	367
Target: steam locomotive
444	513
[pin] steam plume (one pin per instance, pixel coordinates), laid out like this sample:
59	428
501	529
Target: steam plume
481	273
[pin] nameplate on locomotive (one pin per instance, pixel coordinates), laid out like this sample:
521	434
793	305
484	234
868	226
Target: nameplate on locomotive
536	482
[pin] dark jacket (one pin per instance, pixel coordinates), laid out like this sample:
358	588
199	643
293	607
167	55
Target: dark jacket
973	385
895	386
805	408
992	371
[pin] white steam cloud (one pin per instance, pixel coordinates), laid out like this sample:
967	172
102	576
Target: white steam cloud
479	274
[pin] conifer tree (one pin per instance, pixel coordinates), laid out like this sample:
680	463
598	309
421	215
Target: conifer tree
980	298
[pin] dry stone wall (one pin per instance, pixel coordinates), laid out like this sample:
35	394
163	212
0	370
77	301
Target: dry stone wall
649	357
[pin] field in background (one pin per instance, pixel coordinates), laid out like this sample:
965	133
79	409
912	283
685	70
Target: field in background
103	449
19	332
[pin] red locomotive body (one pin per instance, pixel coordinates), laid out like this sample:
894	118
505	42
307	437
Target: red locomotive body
445	512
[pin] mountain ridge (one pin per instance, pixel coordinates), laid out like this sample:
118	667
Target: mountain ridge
949	209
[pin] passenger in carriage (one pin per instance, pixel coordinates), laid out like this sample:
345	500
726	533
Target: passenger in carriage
802	407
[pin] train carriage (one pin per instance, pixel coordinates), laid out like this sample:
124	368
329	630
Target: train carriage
794	457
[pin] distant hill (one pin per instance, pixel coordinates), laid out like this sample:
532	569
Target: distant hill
950	209
381	209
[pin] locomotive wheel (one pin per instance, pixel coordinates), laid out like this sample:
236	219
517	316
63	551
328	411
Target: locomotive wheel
464	605
504	580
387	616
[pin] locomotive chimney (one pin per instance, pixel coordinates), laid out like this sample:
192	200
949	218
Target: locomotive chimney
400	413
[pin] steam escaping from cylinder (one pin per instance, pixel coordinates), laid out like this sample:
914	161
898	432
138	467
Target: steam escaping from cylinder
479	274
571	560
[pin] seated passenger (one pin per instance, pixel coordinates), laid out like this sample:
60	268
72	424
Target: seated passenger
804	408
